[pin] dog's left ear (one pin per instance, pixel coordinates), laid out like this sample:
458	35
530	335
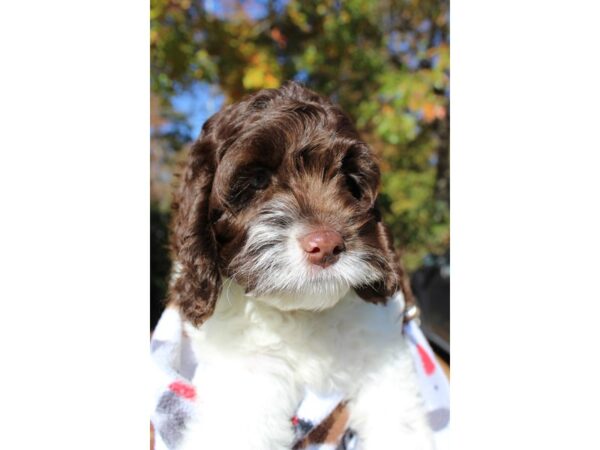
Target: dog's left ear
196	287
395	279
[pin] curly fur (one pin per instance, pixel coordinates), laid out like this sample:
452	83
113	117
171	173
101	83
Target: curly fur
267	323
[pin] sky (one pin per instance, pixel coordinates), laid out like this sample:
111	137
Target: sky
198	103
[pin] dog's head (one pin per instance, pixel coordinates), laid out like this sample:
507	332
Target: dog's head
279	195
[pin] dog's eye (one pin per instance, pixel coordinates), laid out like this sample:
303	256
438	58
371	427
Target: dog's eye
247	183
259	179
354	186
353	170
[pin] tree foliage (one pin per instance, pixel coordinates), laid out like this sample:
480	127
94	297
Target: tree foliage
386	63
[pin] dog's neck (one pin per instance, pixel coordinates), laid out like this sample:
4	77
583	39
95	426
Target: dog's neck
246	329
234	296
318	300
246	323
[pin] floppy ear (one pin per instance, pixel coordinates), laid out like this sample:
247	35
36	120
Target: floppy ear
395	279
196	287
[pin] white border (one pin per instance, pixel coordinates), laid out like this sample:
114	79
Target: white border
525	225
75	224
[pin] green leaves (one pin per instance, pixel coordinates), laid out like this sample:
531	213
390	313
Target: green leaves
386	64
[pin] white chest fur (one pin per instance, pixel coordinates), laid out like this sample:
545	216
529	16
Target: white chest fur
257	360
325	350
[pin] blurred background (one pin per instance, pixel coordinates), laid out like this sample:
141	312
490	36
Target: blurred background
385	62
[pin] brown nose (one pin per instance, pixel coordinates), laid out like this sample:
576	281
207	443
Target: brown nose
323	247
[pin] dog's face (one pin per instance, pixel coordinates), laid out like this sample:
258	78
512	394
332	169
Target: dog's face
279	195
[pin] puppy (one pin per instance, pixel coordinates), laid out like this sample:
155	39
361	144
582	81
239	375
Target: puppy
283	271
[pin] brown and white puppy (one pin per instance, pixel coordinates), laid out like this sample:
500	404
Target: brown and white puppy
283	271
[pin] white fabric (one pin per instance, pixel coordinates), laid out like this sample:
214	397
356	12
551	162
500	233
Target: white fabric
173	360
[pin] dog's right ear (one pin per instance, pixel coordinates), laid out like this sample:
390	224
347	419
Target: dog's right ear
395	276
197	283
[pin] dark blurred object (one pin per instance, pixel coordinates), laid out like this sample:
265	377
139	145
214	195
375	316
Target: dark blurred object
431	286
160	264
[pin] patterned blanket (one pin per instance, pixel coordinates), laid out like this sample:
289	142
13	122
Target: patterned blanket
320	423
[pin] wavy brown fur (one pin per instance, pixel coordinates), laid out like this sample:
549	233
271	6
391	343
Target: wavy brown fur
295	135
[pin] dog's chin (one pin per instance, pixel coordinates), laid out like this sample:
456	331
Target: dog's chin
316	297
